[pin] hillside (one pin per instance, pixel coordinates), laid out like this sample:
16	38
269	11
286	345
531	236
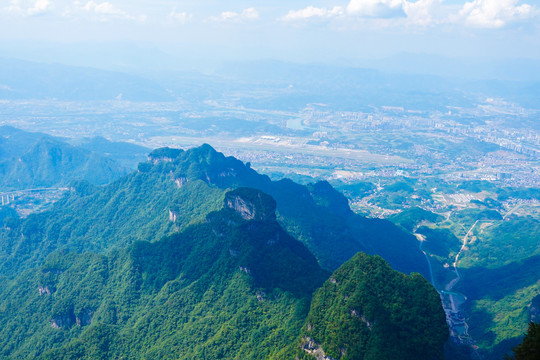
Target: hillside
234	286
127	154
368	311
316	214
15	142
31	160
492	299
175	188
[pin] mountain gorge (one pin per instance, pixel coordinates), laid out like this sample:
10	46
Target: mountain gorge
195	256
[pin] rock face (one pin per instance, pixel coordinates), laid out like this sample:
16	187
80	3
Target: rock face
164	155
315	350
67	319
251	204
173	215
180	181
44	290
64	320
84	318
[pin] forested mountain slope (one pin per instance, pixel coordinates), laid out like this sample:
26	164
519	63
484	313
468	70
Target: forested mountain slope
234	286
175	188
36	160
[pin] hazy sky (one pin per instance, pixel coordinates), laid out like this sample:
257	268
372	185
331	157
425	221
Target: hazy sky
307	31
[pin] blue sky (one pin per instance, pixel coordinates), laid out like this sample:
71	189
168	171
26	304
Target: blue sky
301	31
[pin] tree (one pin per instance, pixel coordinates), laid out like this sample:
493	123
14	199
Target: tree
529	349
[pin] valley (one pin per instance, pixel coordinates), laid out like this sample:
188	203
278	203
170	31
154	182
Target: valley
230	180
443	184
222	269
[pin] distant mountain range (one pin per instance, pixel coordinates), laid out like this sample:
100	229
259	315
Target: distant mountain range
29	80
192	257
279	85
29	160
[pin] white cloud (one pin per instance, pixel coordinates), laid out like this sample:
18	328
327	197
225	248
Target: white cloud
102	8
311	12
105	11
14	6
180	17
377	8
40	6
494	13
246	14
421	12
29	8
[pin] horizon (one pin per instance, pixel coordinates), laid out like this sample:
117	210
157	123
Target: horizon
395	35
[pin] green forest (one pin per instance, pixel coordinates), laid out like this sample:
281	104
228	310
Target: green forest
196	256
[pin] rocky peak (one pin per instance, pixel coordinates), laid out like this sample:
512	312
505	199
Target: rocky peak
251	204
165	154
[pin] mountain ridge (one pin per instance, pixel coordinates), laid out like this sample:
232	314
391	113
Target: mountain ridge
175	188
232	286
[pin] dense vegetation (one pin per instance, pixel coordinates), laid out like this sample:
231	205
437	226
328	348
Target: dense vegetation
30	160
169	262
368	311
223	288
529	349
411	217
176	188
498	267
505	255
234	286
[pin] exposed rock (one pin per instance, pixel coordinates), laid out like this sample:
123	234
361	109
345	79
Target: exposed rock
84	318
44	290
173	215
368	323
181	181
164	155
245	269
67	319
63	321
156	161
311	347
228	173
251	204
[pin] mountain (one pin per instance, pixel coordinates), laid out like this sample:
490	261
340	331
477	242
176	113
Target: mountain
176	188
21	79
234	286
50	162
366	310
33	159
15	142
500	280
493	294
127	154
